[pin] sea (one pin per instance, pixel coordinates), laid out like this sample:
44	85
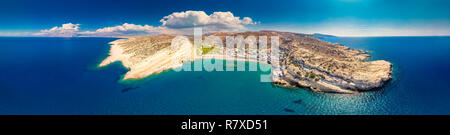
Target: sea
59	76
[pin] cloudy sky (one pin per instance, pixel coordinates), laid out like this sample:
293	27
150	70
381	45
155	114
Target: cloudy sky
106	18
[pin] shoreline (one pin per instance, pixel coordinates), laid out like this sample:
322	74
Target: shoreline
159	62
310	62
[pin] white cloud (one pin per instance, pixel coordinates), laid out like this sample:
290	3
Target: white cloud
175	23
66	30
126	29
218	21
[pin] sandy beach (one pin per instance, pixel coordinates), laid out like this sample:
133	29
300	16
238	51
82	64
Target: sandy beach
162	60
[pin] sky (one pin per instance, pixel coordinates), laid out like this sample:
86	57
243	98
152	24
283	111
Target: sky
69	18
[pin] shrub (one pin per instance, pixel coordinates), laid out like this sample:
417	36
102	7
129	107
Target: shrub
321	76
206	50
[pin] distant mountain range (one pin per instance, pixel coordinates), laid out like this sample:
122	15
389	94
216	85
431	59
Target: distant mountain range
321	36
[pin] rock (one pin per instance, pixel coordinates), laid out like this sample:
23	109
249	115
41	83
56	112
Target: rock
330	67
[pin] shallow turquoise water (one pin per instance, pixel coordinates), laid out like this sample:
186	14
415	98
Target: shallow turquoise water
58	76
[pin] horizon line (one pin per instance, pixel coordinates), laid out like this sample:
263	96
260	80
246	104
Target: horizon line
188	35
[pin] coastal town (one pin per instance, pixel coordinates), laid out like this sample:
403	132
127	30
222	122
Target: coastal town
303	60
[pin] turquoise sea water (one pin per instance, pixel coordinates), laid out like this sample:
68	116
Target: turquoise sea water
59	76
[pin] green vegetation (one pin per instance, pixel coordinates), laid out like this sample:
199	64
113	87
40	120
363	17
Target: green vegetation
299	74
321	76
313	76
206	50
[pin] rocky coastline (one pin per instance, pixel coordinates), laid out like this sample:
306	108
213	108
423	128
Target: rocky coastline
305	61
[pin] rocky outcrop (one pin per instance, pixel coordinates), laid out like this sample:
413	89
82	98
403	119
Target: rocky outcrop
323	66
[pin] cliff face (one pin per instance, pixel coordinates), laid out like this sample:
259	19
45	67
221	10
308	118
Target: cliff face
148	55
305	61
322	66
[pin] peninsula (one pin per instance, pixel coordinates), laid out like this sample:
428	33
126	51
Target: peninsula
305	61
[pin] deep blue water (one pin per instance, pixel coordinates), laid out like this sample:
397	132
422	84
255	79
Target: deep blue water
59	76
